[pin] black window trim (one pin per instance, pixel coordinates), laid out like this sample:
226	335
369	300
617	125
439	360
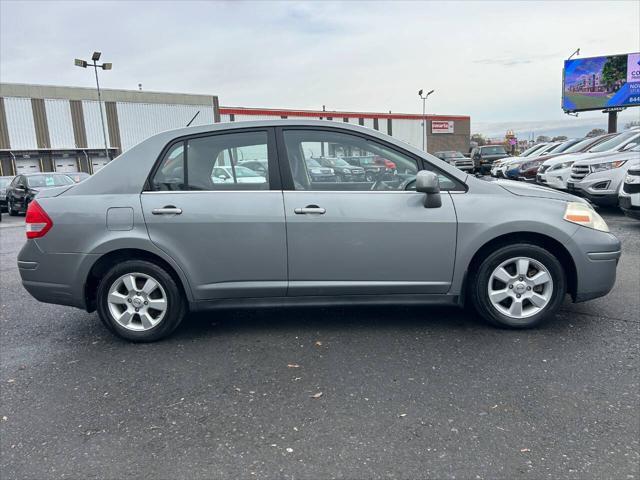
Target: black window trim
287	177
275	182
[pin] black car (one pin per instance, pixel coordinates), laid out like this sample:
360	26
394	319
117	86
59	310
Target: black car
375	167
343	170
25	187
483	157
318	173
4	183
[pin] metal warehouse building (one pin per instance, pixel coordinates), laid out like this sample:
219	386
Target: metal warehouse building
50	128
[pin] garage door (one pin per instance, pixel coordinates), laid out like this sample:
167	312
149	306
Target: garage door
98	163
66	165
27	165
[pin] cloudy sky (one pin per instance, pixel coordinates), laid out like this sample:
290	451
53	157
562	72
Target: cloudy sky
499	62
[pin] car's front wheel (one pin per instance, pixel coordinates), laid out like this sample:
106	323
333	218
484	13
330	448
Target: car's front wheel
518	286
11	207
140	301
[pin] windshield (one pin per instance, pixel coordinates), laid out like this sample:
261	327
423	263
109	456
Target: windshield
452	155
313	163
580	146
336	162
530	150
614	142
36	181
245	172
493	150
563	147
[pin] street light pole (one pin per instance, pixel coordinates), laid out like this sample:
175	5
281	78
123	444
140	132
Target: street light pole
424	117
105	66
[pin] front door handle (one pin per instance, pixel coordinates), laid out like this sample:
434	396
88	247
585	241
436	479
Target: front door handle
167	210
313	209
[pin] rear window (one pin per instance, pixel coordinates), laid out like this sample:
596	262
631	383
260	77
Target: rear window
493	150
36	181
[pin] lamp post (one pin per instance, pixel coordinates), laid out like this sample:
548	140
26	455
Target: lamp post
424	118
104	66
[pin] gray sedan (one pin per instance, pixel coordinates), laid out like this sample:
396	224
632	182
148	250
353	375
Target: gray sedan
151	237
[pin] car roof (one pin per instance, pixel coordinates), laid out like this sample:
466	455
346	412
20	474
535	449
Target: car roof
44	173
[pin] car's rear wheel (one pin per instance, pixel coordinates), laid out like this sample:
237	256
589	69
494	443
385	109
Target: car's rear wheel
518	286
140	301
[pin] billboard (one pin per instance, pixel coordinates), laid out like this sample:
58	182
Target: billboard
598	83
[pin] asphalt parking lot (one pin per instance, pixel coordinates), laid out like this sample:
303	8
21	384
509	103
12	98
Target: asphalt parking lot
323	393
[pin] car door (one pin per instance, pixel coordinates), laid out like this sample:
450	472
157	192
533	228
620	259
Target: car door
20	192
362	237
228	237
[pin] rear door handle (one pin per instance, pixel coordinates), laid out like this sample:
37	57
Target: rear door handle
313	209
168	210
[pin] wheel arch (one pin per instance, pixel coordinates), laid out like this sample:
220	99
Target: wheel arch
106	261
548	243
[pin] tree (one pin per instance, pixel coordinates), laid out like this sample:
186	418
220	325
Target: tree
632	124
478	138
614	72
542	139
559	138
596	132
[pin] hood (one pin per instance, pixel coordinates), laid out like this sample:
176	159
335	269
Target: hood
531	190
608	157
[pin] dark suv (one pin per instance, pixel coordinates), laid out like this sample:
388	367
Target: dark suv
344	171
483	157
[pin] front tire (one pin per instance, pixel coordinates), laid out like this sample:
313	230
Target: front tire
12	211
518	286
140	301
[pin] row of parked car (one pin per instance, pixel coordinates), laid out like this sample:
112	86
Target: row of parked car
16	192
603	169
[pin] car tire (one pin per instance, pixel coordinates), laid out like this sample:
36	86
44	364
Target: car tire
518	286
126	300
10	209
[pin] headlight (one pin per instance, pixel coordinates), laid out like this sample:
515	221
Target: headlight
632	179
346	170
584	215
561	166
317	171
600	167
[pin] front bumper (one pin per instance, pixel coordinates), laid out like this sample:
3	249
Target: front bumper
630	204
600	188
596	256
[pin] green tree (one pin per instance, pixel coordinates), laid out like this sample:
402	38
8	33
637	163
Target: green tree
596	132
478	138
559	138
614	71
542	139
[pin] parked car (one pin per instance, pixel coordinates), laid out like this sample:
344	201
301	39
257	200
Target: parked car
4	183
143	249
500	167
236	174
318	173
259	166
23	188
483	157
78	176
599	179
512	169
375	167
528	170
345	172
615	143
629	196
457	159
555	171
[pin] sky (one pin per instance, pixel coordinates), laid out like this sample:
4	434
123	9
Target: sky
499	62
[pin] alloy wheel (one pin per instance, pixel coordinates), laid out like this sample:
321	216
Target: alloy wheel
137	301
520	287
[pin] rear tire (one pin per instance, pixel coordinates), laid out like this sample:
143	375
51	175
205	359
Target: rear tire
140	301
518	286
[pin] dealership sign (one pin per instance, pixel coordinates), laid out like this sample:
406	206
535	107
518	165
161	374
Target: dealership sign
601	83
440	126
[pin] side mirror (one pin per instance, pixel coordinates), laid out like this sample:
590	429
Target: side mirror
428	183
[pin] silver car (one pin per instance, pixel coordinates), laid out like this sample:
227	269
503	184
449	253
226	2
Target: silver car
151	236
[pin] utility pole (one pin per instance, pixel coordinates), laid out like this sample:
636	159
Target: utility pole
424	117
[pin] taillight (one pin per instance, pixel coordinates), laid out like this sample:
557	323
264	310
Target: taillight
37	222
